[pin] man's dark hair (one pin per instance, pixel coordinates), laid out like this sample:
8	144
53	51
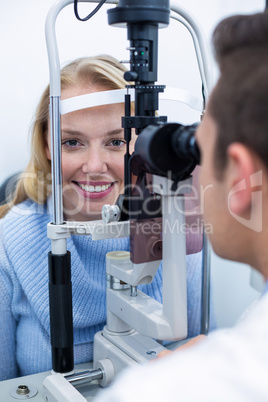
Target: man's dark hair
239	102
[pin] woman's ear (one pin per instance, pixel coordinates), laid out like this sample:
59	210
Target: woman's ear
48	153
242	165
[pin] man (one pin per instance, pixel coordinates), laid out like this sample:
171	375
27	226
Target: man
233	139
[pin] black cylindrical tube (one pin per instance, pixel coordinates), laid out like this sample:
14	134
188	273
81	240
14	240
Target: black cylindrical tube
148	11
61	314
161	4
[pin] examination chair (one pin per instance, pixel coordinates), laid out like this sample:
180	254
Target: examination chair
7	188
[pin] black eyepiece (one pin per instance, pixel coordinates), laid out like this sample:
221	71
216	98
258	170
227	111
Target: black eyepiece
184	143
168	150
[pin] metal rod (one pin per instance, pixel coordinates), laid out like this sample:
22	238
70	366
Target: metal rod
56	160
201	41
85	377
133	291
205	297
127	135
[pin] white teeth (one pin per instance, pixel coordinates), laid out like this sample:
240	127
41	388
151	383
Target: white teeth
94	189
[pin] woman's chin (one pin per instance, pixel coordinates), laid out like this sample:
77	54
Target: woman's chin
88	211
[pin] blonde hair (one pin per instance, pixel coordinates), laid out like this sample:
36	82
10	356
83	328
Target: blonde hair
35	181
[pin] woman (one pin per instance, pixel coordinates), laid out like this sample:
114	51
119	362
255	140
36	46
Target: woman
93	175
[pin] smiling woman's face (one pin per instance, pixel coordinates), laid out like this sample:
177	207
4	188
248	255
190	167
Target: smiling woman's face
93	149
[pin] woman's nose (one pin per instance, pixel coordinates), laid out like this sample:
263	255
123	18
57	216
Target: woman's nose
94	162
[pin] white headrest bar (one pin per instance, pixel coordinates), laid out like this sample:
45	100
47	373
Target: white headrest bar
117	96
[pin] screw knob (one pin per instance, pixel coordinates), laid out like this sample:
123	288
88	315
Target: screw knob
22	390
110	213
131	76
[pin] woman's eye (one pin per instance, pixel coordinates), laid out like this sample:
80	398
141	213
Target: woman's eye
71	143
117	143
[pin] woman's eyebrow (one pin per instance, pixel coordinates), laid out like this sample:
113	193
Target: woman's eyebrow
72	132
77	133
117	131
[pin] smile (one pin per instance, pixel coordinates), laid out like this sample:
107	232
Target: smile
94	189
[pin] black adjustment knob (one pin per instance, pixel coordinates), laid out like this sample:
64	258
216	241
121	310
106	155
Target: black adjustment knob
131	76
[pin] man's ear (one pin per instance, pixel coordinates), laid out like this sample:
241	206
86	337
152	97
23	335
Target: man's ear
241	167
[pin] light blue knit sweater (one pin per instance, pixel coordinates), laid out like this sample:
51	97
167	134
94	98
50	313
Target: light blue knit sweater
24	303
